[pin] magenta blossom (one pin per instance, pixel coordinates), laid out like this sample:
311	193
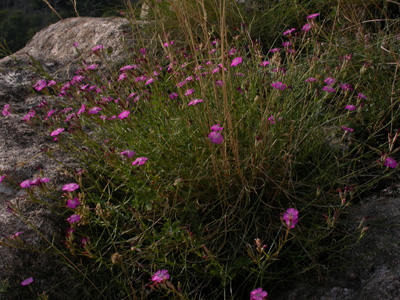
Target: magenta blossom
258	294
279	85
390	162
347	129
275	50
140	161
74	218
122	76
98	47
195	101
189	92
311	79
215	137
173	96
149	81
40	85
73	203
70	187
128	153
6	111
2	178
29	115
124	114
57	131
94	110
306	27
312	16
264	63
291	217
330	81
160	276
328	89
361	96
350	107
27	281
236	61
217	127
289	31
81	110
26	184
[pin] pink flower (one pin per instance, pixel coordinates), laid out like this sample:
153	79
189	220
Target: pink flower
189	92
81	110
98	47
236	61
51	83
73	203
390	162
122	76
258	294
70	187
6	111
275	50
279	85
264	63
128	67
271	119
91	67
313	16
219	83
50	113
328	89
160	276
29	115
142	51
40	85
57	131
2	178
195	101
361	96
311	79
330	80
217	127
289	31
347	129
74	218
140	161
286	44
346	86
151	80
291	217
75	44
306	27
27	281
124	114
215	137
350	107
173	96
128	153
94	110
26	184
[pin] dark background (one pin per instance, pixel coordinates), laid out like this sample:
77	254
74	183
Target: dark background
21	19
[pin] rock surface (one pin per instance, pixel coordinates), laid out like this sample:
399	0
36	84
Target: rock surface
22	158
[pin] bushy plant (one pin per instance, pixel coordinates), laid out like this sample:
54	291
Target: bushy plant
211	167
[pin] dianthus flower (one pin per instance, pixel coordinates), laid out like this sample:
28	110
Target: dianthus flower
27	281
70	187
195	101
258	294
57	131
74	218
291	217
40	85
140	161
313	16
350	107
160	276
128	153
279	85
390	162
73	203
124	114
236	61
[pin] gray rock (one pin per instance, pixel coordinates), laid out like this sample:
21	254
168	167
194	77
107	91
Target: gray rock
22	156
